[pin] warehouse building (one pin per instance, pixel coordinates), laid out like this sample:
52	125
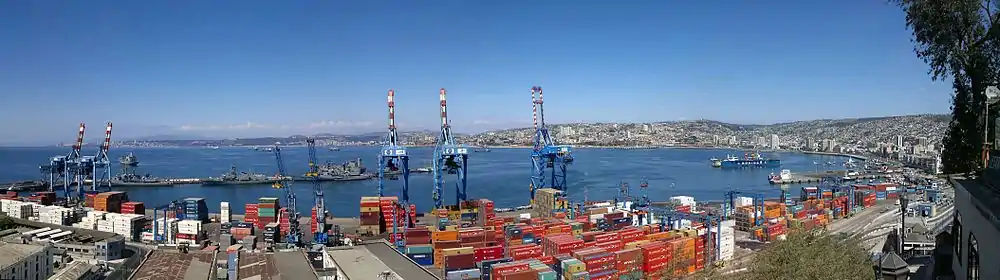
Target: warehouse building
25	261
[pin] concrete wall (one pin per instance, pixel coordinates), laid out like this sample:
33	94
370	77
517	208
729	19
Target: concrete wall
35	267
986	234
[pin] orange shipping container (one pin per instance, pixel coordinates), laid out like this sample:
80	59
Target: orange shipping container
448	235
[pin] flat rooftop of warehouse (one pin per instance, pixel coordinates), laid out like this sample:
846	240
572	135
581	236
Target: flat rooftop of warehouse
163	264
368	261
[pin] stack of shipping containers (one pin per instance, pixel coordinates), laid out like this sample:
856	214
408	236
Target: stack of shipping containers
195	209
267	211
134	208
272	233
109	201
251	214
370	220
225	213
189	231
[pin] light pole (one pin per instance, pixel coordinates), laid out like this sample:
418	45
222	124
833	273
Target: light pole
992	98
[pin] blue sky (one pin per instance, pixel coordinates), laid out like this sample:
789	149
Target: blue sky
281	67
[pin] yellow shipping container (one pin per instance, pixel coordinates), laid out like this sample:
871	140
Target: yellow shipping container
369	198
575	267
635	244
457	251
369	209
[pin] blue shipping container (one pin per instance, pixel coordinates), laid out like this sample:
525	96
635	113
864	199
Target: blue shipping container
422	259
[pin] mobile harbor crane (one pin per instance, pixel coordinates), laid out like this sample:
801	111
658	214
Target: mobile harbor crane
319	235
283	181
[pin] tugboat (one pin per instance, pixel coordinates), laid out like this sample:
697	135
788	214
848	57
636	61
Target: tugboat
239	178
752	159
128	160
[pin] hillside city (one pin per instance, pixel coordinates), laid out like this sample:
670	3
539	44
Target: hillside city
913	138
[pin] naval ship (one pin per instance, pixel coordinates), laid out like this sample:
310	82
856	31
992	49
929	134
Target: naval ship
239	178
352	170
133	180
129	160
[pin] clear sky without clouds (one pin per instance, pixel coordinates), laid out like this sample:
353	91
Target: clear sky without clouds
280	67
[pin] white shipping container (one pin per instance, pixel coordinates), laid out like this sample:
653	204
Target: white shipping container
743	201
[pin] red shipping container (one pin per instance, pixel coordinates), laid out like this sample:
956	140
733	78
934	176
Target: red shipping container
509	269
457	262
610	236
628	260
488	253
526	252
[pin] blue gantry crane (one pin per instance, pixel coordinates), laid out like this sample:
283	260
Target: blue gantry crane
393	157
669	216
319	235
174	206
450	158
624	194
285	182
729	206
545	154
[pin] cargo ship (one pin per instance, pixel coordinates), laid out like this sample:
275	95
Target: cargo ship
752	159
352	170
239	178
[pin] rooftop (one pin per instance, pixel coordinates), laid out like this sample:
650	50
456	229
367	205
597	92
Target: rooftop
12	253
170	265
75	270
985	194
357	262
399	263
367	261
257	266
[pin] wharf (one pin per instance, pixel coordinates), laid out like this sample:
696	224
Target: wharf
26	186
816	177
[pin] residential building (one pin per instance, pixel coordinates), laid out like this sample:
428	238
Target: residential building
775	142
976	225
25	261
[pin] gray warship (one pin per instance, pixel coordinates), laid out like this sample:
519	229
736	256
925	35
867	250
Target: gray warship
133	180
233	177
129	160
352	170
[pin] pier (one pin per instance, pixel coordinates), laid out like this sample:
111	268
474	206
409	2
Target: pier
816	177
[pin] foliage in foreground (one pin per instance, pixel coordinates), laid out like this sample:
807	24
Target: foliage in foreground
959	39
6	222
805	256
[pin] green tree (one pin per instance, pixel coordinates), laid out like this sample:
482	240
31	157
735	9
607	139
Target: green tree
958	40
6	222
809	255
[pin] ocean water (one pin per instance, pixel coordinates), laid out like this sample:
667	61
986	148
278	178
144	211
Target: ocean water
501	174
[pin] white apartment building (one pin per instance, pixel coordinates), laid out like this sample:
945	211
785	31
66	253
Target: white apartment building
976	226
775	142
25	261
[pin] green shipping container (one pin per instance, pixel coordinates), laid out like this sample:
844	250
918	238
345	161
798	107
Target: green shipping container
547	275
419	249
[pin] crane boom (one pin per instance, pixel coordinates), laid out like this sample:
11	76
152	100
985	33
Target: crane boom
318	220
283	181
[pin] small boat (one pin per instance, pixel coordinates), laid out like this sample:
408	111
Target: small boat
716	162
333	149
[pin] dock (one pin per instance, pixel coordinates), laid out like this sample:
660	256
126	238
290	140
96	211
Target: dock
816	177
